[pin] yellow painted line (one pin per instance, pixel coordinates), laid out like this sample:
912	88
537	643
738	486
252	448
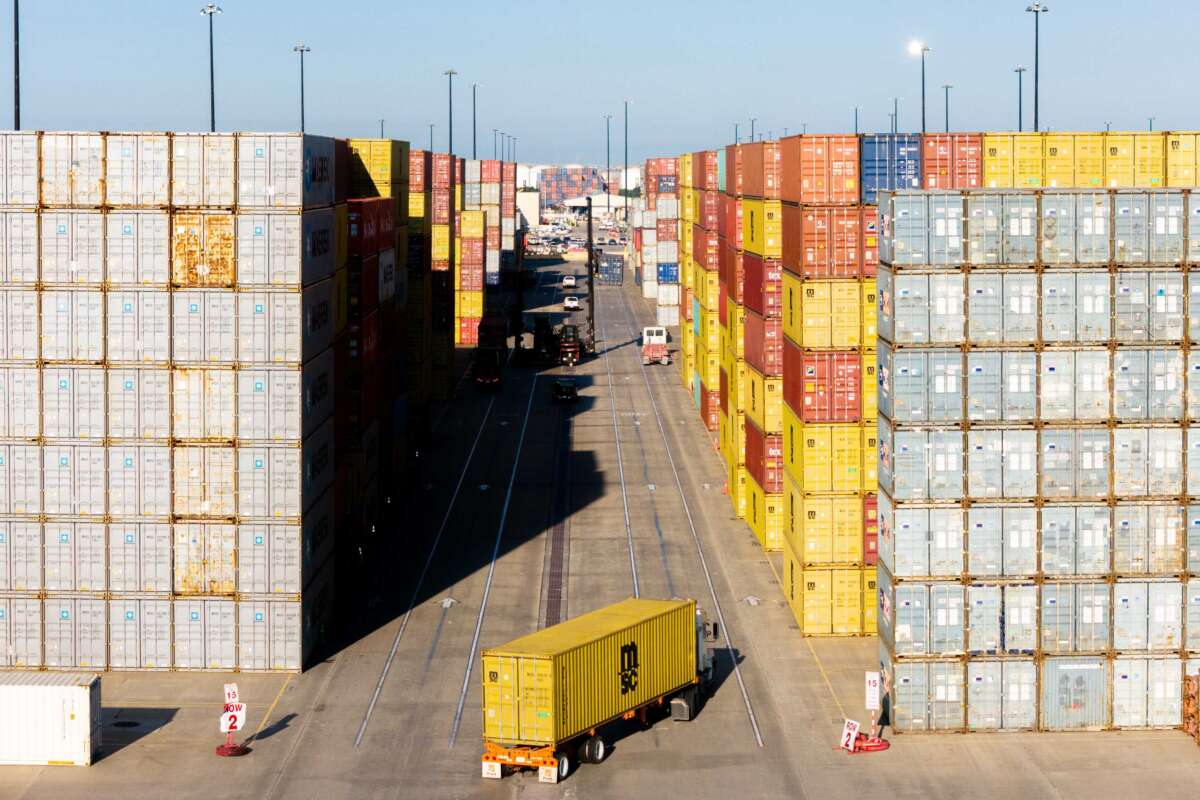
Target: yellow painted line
811	649
271	709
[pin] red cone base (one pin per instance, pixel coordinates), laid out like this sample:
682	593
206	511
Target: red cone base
230	748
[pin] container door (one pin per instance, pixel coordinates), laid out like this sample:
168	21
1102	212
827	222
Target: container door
189	634
1129	688
985	537
285	636
1058	618
90	633
89	557
26	633
1165	687
912	620
60	632
220	639
1020	695
60	555
984	619
252	558
156	634
6	640
26	553
1165	627
1130	605
984	693
912	697
946	627
501	681
253	635
124	639
1091	616
1020	619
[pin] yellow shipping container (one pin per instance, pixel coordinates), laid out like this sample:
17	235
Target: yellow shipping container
1073	160
737	437
203	249
870	387
457	253
468	304
552	685
825	458
708	288
828	602
1182	158
710	330
458	203
472	224
822	315
685	171
764	400
1150	160
687	339
870	457
762	227
1012	160
764	514
688	366
708	365
1118	160
416	209
440	242
870	601
824	529
870	311
378	167
341	235
737	385
738	491
737	328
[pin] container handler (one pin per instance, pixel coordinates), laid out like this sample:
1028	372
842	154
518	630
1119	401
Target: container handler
654	346
548	697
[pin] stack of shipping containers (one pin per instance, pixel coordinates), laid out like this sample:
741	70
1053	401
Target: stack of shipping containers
670	207
510	260
168	455
442	235
731	425
701	302
481	192
419	356
469	277
661	213
1037	409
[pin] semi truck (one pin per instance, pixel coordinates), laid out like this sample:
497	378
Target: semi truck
548	697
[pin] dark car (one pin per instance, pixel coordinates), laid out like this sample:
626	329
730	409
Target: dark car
565	390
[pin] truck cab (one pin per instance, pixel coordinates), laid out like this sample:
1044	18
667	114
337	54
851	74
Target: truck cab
654	346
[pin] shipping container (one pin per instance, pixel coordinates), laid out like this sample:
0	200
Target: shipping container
820	169
952	160
50	719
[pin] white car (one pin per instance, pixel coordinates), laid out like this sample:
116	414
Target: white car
570	303
568	282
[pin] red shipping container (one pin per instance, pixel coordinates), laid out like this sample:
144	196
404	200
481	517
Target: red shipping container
735	278
470	279
764	343
468	331
764	458
952	160
385	231
369	337
870	529
362	227
508	173
443	177
763	285
460	167
704	169
734	177
508	207
706	248
438	265
824	241
489	171
472	252
724	209
668	230
418	171
735	222
820	170
666	166
363	280
710	211
710	407
822	386
441	201
493	238
761	170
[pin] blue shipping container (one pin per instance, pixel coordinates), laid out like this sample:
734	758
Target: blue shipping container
696	385
889	161
668	273
667	184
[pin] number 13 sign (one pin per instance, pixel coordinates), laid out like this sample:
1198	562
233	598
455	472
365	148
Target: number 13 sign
233	718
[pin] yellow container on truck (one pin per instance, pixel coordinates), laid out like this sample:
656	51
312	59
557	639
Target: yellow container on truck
548	691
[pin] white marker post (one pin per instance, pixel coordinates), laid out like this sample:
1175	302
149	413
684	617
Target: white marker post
233	718
849	735
872	686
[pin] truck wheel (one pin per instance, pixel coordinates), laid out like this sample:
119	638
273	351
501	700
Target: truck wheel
593	750
564	765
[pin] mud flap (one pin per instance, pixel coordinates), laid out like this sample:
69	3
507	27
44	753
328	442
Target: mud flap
492	770
547	774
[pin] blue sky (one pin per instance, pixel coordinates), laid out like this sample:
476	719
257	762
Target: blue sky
549	71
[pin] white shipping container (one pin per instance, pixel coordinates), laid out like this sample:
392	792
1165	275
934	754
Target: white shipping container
280	482
650	290
138	326
19	170
137	246
276	404
137	169
668	315
667	207
72	325
204	557
139	557
18	247
203	326
203	405
73	555
203	481
284	327
73	402
285	250
139	403
489	194
139	633
203	166
73	479
49	718
668	294
72	169
19	329
20	559
139	480
284	170
269	634
205	634
72	247
20	402
20	479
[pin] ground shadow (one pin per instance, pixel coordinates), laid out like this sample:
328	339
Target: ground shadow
278	726
121	726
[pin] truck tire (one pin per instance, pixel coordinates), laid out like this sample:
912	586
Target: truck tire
564	765
685	705
593	750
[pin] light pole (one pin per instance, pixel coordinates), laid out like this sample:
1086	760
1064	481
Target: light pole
785	130
856	110
752	121
1151	124
895	115
919	48
1020	91
607	163
210	11
450	73
381	129
495	138
892	121
1107	127
474	155
514	158
431	137
804	127
16	65
736	139
946	87
1037	9
625	172
302	48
